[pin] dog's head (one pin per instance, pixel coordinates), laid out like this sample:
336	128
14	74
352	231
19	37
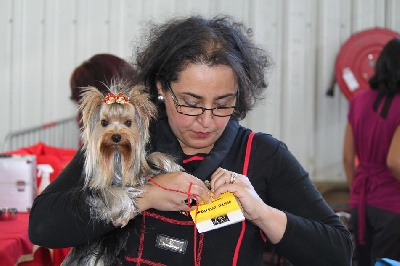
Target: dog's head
114	134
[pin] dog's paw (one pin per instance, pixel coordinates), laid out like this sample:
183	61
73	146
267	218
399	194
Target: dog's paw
116	205
122	220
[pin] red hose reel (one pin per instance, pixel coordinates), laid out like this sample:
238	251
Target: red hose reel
356	59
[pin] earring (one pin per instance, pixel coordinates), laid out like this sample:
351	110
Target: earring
160	98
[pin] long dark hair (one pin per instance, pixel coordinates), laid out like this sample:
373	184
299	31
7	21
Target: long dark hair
220	40
386	79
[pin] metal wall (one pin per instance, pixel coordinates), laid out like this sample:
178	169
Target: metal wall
43	40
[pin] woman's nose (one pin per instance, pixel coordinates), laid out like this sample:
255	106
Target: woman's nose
206	118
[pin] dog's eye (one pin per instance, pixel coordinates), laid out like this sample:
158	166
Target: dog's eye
104	123
128	123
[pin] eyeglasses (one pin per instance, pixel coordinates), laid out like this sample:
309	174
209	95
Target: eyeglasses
222	111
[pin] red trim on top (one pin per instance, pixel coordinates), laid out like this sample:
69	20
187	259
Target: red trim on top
245	169
239	244
263	236
200	250
248	150
165	219
140	261
193	158
141	242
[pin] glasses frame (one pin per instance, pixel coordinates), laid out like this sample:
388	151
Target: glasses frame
177	105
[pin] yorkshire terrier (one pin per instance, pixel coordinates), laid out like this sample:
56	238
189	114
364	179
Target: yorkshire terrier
115	133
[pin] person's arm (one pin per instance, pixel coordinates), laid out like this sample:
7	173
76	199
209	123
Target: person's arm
54	221
349	154
60	216
393	157
314	234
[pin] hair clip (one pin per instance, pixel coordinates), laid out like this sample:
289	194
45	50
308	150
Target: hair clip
112	98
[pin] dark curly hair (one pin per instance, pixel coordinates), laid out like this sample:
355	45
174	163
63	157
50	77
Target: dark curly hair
197	40
386	79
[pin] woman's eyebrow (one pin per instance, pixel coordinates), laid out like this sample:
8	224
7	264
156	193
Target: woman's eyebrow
201	97
193	95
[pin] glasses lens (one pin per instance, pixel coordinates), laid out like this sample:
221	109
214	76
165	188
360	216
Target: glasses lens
223	111
195	111
187	110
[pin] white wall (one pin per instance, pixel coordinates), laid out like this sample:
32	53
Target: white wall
43	40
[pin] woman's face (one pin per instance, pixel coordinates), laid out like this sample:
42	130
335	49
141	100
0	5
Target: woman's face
201	86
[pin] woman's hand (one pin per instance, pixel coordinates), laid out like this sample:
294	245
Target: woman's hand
168	192
223	180
270	220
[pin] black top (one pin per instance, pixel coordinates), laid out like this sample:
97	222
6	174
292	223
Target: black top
314	234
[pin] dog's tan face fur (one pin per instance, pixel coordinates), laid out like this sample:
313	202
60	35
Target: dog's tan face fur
118	138
115	136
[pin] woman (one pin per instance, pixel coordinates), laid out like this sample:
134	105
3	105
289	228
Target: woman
205	75
373	134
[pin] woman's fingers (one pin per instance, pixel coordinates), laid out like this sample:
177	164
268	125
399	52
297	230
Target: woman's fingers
223	177
178	191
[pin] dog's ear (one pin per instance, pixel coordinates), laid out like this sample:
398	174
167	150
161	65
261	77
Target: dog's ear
90	106
141	99
146	109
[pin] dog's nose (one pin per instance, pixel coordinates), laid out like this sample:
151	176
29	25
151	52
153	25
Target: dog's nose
116	138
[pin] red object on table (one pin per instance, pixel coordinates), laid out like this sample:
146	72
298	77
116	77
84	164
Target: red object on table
58	158
15	246
14	241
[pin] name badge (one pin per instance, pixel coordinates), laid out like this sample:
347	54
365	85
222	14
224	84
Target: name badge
221	212
171	243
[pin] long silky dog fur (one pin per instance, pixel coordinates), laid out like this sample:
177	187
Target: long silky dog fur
116	167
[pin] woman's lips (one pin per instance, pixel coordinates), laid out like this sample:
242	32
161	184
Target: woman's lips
202	135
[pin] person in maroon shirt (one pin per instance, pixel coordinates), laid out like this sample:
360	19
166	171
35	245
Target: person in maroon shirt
373	135
205	75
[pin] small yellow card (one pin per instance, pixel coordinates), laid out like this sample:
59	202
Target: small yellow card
222	211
